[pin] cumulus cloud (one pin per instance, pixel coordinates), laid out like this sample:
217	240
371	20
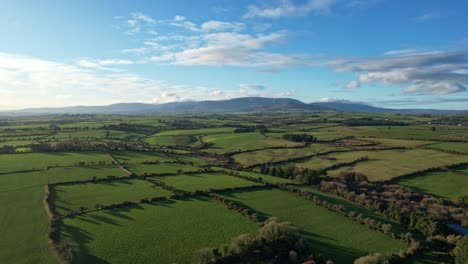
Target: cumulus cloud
33	82
214	25
93	63
143	17
435	73
233	49
289	9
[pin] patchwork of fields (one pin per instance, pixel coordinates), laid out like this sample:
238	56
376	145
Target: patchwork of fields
143	189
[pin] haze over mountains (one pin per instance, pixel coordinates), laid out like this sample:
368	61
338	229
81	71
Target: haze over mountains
244	104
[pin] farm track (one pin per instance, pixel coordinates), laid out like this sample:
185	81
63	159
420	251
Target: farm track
118	164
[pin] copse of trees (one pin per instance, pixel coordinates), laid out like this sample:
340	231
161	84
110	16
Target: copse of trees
414	210
275	242
301	175
247	129
372	122
300	138
461	251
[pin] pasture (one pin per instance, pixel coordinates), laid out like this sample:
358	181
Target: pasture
452	146
387	164
243	141
274	155
163	232
42	161
340	238
74	197
444	184
204	181
23	219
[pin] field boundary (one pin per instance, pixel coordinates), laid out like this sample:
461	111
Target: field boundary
417	173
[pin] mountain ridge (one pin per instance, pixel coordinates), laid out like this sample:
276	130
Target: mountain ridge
242	104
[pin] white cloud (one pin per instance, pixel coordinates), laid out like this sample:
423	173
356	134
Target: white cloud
334	100
214	25
352	85
143	17
434	88
401	52
217	93
179	18
289	9
103	64
433	73
33	82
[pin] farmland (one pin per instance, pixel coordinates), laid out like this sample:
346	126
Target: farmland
450	185
165	232
344	233
161	189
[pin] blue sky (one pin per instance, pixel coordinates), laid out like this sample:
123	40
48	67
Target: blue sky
399	54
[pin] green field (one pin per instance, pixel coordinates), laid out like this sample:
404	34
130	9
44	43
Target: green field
197	132
387	164
325	161
445	184
399	142
204	181
422	132
244	141
68	198
23	220
167	163
166	232
200	152
265	178
272	155
452	146
180	140
331	234
41	161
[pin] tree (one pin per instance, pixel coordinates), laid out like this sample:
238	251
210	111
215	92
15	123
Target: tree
461	251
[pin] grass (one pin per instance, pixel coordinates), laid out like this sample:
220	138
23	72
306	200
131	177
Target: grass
445	184
244	141
38	161
23	221
452	146
205	181
168	163
331	234
322	162
78	134
72	197
197	132
272	155
166	232
387	164
186	141
265	178
15	143
399	142
350	206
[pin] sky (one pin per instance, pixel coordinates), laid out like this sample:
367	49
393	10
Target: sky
386	53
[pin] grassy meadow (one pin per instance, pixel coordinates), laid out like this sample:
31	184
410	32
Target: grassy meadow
341	238
163	232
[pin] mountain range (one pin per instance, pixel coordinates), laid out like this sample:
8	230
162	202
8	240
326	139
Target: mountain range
244	104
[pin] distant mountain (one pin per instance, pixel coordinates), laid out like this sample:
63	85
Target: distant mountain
244	104
363	108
